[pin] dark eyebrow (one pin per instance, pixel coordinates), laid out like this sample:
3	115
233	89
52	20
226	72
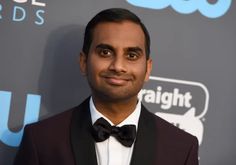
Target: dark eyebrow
104	46
107	46
134	49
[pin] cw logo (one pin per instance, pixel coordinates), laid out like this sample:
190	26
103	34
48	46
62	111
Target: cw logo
215	10
8	137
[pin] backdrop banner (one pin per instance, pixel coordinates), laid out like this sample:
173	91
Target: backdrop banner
192	85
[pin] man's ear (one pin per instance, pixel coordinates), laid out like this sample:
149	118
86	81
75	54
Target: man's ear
149	69
83	63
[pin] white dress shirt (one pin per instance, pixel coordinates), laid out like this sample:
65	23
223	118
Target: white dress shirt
111	151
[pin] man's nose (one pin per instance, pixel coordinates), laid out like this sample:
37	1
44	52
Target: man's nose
118	64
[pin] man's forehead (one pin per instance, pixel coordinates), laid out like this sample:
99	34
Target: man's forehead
126	31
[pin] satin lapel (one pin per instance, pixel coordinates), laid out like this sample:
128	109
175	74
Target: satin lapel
81	139
144	152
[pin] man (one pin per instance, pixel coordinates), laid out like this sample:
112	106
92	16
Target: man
111	127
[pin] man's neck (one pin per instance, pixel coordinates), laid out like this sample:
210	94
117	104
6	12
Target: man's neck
115	111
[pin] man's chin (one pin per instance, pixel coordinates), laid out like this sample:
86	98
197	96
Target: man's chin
115	97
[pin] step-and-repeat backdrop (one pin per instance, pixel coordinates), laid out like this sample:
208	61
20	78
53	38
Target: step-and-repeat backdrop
192	84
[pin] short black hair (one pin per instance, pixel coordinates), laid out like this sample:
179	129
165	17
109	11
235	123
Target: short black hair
113	15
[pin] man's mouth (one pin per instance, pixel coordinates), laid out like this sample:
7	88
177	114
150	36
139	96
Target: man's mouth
118	81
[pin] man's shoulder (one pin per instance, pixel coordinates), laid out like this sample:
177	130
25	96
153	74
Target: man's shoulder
61	119
167	130
52	124
170	141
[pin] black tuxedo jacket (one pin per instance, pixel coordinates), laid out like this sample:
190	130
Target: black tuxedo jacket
65	139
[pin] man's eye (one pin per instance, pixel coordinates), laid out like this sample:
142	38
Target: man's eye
132	55
105	52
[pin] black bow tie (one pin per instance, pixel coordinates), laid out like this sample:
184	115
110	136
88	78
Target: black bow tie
102	130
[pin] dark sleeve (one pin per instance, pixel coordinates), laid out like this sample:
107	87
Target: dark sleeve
192	158
27	154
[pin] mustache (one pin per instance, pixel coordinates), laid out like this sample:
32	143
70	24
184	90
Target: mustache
117	75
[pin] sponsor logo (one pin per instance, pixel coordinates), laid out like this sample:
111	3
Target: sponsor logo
8	137
182	103
23	11
210	10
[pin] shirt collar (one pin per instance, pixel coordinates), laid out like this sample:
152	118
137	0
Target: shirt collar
131	119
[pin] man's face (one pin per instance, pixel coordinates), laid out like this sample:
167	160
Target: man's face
116	65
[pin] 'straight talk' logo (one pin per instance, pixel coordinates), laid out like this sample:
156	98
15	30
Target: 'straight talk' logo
182	103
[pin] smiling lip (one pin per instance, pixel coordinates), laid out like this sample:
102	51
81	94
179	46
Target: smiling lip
116	81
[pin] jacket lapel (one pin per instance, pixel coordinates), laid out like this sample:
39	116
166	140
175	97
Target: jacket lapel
81	140
145	144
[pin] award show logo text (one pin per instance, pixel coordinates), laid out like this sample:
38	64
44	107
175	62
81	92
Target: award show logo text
23	11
